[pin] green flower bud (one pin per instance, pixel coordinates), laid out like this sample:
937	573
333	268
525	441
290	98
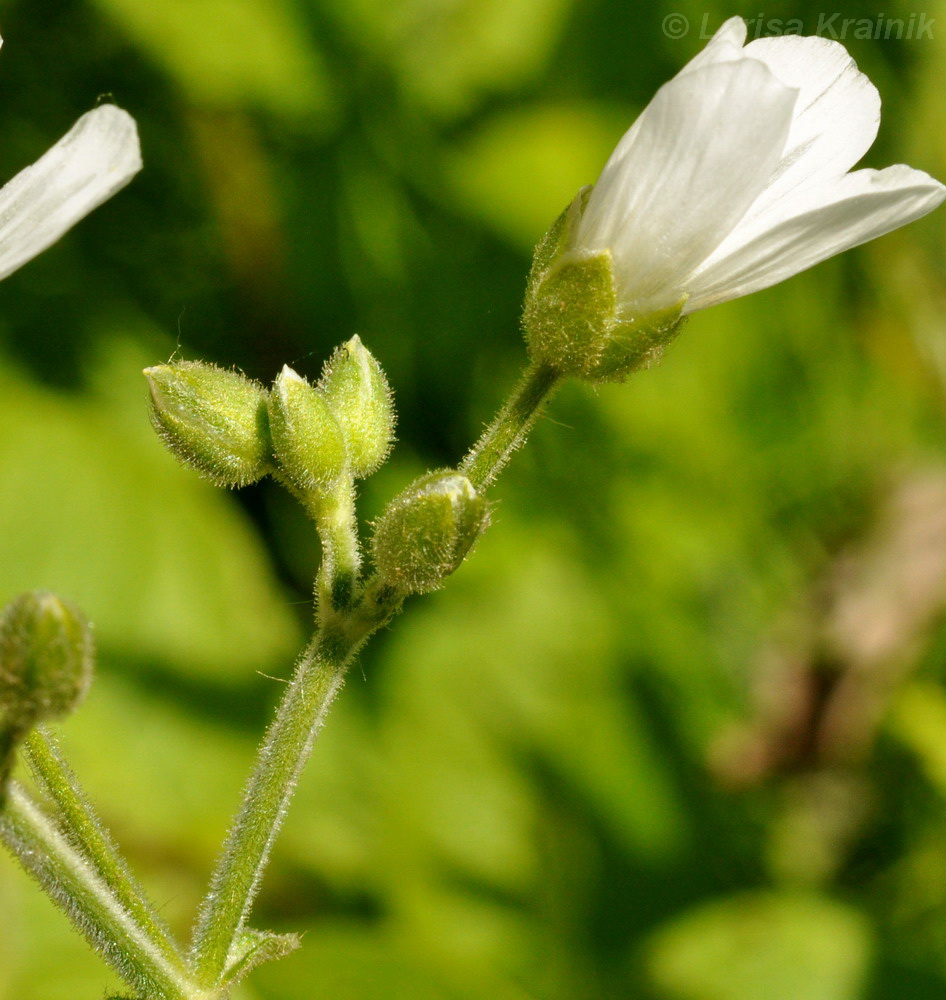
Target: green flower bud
307	439
426	531
212	419
357	392
46	659
572	317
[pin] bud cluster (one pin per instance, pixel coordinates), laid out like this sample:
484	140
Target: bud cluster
234	432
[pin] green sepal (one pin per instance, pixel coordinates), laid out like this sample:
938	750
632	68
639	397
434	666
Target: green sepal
634	344
212	419
357	392
559	238
253	948
572	317
427	531
307	439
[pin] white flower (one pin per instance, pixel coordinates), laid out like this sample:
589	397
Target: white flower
95	159
735	176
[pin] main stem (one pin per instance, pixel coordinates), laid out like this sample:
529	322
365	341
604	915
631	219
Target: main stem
288	742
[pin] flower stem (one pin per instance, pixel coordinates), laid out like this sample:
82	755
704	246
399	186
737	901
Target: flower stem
282	756
72	883
510	428
86	833
334	516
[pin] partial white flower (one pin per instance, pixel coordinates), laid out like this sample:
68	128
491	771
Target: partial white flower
735	176
95	159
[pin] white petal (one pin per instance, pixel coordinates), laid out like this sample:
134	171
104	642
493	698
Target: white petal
96	158
685	174
836	117
725	46
843	213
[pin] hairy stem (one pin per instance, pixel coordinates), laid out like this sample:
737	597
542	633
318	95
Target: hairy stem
334	515
72	883
85	832
511	426
282	756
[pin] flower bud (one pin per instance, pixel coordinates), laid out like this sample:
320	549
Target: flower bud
45	666
427	530
356	390
307	439
572	317
212	419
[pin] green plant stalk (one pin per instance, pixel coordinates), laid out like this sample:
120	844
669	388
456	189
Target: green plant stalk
85	832
282	756
334	516
46	854
510	428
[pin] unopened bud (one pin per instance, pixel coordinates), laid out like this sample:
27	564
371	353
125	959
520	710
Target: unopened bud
46	659
427	531
572	317
307	439
212	419
357	392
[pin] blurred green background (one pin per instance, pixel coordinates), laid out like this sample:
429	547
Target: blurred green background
678	731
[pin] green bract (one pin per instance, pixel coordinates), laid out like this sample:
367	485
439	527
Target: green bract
572	317
427	531
307	439
357	392
212	419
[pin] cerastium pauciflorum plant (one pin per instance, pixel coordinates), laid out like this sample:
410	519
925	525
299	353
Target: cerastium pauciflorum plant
736	176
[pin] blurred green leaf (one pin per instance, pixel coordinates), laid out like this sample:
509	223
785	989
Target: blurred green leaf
448	56
231	52
534	674
784	945
520	169
350	964
918	719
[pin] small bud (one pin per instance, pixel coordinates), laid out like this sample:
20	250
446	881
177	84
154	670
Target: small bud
427	530
212	419
307	439
572	317
46	661
357	392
